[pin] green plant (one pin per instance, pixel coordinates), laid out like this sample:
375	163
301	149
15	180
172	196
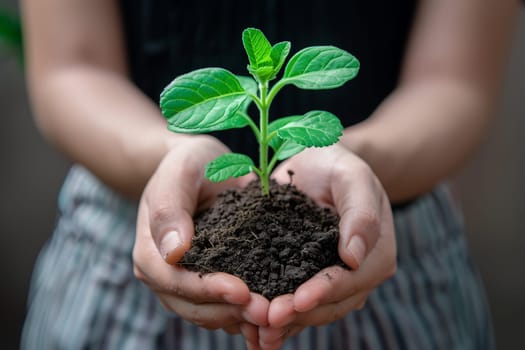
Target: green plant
212	99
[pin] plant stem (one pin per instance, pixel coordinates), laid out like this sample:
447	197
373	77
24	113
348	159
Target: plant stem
263	144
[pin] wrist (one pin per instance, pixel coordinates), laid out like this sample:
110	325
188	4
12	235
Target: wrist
145	154
371	142
191	150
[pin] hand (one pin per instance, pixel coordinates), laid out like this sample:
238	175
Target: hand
335	177
164	232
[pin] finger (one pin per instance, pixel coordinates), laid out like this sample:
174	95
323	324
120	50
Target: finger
271	335
173	195
251	335
282	311
217	315
256	311
150	268
328	313
327	286
212	287
335	283
170	202
359	200
243	181
272	338
209	316
298	171
233	329
172	198
283	175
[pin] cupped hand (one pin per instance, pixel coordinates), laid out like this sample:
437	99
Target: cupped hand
335	177
164	232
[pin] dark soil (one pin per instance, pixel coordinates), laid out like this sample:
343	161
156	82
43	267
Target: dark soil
274	243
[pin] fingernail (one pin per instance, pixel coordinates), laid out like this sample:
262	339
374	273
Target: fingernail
169	242
357	248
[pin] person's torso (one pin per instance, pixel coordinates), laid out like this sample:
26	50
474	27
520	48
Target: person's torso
169	38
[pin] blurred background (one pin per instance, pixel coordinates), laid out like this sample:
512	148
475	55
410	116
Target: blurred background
491	188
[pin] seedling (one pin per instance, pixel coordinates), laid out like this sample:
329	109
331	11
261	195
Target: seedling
213	99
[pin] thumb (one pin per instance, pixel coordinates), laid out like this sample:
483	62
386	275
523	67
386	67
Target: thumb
358	234
171	204
172	230
360	209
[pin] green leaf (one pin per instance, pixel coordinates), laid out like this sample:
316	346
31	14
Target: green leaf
314	129
204	100
320	67
289	149
285	148
278	54
257	47
264	73
228	165
277	124
250	86
259	51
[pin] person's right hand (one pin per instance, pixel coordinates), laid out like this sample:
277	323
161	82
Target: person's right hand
164	232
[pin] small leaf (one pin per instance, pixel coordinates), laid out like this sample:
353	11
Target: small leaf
314	129
257	47
203	100
259	51
277	124
320	67
228	165
285	148
289	149
279	53
264	73
248	84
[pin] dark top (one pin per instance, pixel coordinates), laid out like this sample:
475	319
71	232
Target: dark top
167	38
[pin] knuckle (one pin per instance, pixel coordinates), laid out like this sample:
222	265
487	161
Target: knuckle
139	265
233	329
212	326
197	317
367	222
165	305
138	274
160	213
174	288
352	290
137	256
338	312
361	304
362	171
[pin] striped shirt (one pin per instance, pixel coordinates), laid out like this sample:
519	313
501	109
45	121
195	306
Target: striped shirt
84	294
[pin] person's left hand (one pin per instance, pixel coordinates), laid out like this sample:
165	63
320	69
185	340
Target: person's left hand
335	177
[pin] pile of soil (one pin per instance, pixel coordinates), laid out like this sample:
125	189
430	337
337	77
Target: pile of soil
274	243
